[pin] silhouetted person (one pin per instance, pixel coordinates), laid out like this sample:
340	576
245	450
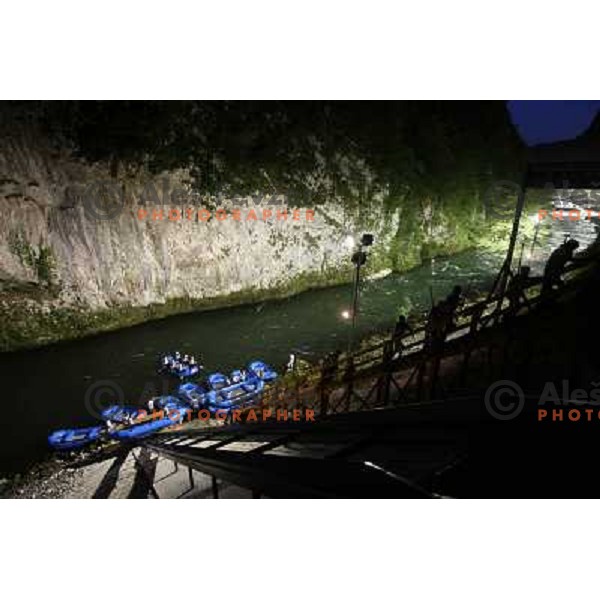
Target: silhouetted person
435	328
556	265
446	311
515	291
454	299
329	366
439	324
476	315
401	329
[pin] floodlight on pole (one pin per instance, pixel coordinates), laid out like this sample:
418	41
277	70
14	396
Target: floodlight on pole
359	258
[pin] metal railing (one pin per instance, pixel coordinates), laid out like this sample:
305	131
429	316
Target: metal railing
337	456
369	377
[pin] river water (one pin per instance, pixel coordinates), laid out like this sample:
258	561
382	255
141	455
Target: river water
63	385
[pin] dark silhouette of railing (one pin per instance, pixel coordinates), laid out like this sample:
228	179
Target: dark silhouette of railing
344	453
401	368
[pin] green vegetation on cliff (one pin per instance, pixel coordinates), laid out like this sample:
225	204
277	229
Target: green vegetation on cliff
432	160
417	150
415	173
40	260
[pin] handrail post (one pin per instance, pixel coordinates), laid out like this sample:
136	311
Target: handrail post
500	283
348	378
383	392
323	390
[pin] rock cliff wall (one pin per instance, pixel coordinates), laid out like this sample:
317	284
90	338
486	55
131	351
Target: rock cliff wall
84	249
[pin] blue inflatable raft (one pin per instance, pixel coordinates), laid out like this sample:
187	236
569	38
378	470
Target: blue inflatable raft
73	439
121	414
226	393
175	409
142	430
262	370
219	392
167	403
192	394
174	365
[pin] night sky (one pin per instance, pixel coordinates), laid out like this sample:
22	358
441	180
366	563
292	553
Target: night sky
541	121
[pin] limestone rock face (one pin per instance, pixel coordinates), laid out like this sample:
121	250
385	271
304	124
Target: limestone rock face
101	242
85	247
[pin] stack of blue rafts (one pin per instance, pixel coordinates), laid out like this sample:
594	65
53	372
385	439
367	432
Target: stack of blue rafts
240	389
